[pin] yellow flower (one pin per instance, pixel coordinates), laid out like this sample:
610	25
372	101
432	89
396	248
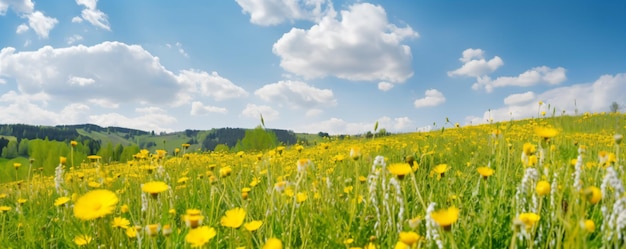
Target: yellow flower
225	171
409	238
546	132
399	169
4	209
588	225
273	243
95	204
253	225
154	188
17	165
167	230
485	172
528	219
542	188
131	232
120	222
200	236
61	201
73	143
233	218
62	160
301	197
124	208
441	170
82	240
593	194
446	217
529	149
153	229
355	153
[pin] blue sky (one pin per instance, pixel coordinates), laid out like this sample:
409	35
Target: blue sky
307	66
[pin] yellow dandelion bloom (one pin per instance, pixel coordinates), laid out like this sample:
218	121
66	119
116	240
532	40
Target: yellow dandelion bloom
17	165
273	243
593	194
225	171
301	197
253	225
546	132
131	232
399	169
355	153
485	172
82	240
528	219
446	217
588	225
95	204
233	218
73	143
61	201
62	160
4	209
154	187
120	222
529	149
409	238
542	188
200	236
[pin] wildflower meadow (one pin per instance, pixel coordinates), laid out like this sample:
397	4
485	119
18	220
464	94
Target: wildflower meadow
547	182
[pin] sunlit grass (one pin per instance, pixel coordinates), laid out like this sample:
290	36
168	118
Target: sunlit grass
455	187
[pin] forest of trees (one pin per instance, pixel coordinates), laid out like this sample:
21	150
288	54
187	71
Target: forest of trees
231	136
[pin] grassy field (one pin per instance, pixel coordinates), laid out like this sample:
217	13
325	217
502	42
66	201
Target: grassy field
536	183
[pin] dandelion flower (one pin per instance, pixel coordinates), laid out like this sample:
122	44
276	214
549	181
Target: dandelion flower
399	169
95	204
233	218
253	225
61	201
588	225
273	243
301	197
446	217
528	219
73	143
542	188
82	240
153	229
17	165
546	132
200	236
120	222
4	209
225	171
131	232
154	188
355	153
593	194
440	170
409	238
485	172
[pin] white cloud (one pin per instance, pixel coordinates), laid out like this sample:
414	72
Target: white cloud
73	39
520	98
475	64
432	98
255	111
589	97
179	47
313	112
37	21
92	14
384	86
274	12
104	103
362	46
296	94
22	28
114	71
197	108
537	75
41	24
73	80
212	85
77	19
30	109
337	126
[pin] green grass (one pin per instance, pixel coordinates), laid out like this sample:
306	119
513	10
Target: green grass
341	201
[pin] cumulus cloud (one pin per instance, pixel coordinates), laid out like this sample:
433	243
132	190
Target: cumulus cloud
26	108
37	21
296	94
432	97
475	64
114	71
73	39
197	108
361	45
337	126
588	97
384	86
274	12
537	75
255	111
212	85
520	98
92	14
